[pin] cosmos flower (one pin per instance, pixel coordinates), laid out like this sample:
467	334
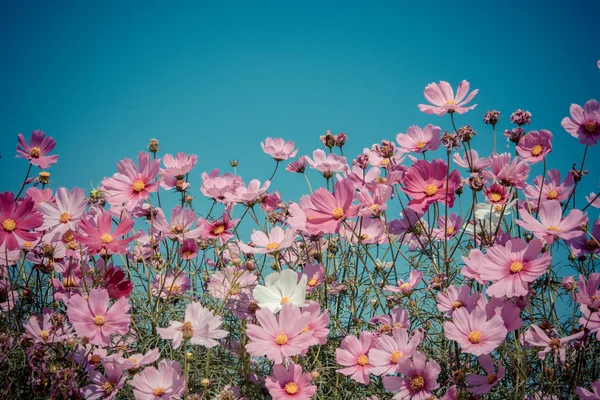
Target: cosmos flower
406	287
484	383
389	350
584	123
165	383
535	336
585	394
552	224
552	189
64	214
420	378
425	182
279	149
534	146
199	326
419	140
442	97
290	383
474	332
330	210
107	385
17	220
454	298
176	168
37	150
353	355
276	241
327	164
174	284
99	237
281	288
231	283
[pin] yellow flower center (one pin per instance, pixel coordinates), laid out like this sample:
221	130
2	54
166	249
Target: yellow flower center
187	253
72	245
138	186
69	282
159	391
306	329
553	228
374	207
187	329
449	230
554	344
272	246
405	286
108	387
497	208
337	213
417	383
430	189
99	320
491	378
495	197
381	179
457	304
64	218
235	289
398	325
68	236
133	360
395	356
27	244
516	267
284	300
281	338
174	288
217	230
313	282
9	225
95	359
291	388
44	335
35	152
474	337
362	360
552	195
537	150
106	238
384	161
591	126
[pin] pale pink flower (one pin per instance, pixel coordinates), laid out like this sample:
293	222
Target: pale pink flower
317	324
353	355
508	173
107	385
176	169
473	265
94	319
165	383
454	298
231	283
509	311
174	284
590	320
406	287
426	183
42	329
327	164
290	383
248	195
484	383
298	166
474	332
593	199
200	326
419	140
367	231
279	148
389	350
315	274
65	213
588	293
39	195
276	241
534	146
553	188
585	394
551	224
535	336
181	225
442	97
330	210
215	186
137	360
297	217
584	123
373	203
398	319
471	161
36	151
447	230
420	378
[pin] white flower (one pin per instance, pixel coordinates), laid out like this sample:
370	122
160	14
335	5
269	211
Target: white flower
383	264
280	288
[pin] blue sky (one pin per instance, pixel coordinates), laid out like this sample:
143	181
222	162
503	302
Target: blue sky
215	79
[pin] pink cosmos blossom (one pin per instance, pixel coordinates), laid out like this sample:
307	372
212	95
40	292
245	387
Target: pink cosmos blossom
389	350
297	216
105	386
471	161
231	283
534	146
553	188
585	394
426	182
116	284
588	293
508	173
298	166
277	240
215	186
330	210
593	199
315	274
590	320
509	311
218	229
40	195
327	164
514	266
99	237
130	185
199	326
406	287
65	213
367	231
455	298
535	336
279	149
474	332
189	249
41	329
375	205
398	319
95	320
176	168
568	283
496	194
165	383
584	123
551	224
248	195
419	140
353	354
484	383
442	97
181	225
37	150
279	337
135	361
449	230
174	284
420	378
411	226
317	325
290	383
17	221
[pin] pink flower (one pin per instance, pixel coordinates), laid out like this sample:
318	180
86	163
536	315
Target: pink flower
420	378
584	123
496	194
290	383
65	214
218	229
99	237
176	169
442	97
588	293
315	274
200	326
277	240
131	185
231	283
330	210
398	319
105	386
535	336
16	221
473	265
455	298
181	225
37	149
590	320
551	224
248	195
425	183
474	332
279	337
189	250
43	330
215	186
298	166
165	383
406	287
373	206
471	161
279	149
353	354
389	350
419	140
513	266
116	284
39	195
484	383
327	164
135	361
174	284
585	394
509	311
553	189
508	173
317	324
449	230
534	146
367	230
95	320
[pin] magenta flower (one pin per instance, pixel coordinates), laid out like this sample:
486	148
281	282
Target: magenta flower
353	354
420	378
174	284
585	394
496	194
455	298
389	350
17	221
484	383
419	140
116	284
279	149
442	97
131	185
189	249
105	386
584	123
99	237
406	287
279	337
200	326
65	213
509	311
514	266
425	183
165	383
534	146
176	168
218	229
551	224
535	336
474	332
37	149
330	210
553	188
327	164
290	383
94	319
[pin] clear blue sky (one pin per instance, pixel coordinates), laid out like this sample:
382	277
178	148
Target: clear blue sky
215	79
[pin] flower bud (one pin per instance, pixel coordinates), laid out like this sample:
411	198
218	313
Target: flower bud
153	146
